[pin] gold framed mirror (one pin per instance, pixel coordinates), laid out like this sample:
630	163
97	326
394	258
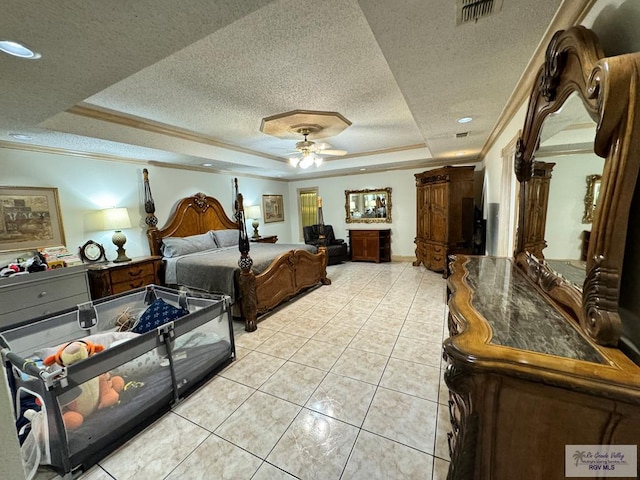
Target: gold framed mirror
591	197
368	205
607	89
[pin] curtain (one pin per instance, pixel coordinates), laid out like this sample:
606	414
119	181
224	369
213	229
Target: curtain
309	208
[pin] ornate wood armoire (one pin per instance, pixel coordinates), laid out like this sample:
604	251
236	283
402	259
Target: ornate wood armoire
537	199
444	220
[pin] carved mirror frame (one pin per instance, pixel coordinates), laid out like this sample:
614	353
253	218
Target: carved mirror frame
385	192
608	88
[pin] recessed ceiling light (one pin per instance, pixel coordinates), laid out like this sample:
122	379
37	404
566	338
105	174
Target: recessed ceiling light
207	164
464	120
20	136
18	50
362	169
459	154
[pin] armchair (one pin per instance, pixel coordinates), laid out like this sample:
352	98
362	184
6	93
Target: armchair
336	247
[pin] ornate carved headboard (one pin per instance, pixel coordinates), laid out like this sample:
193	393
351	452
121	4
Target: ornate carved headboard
192	215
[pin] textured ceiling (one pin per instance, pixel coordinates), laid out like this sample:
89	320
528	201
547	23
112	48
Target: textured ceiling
189	82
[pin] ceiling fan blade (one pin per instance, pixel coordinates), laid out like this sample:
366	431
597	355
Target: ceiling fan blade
338	153
322	146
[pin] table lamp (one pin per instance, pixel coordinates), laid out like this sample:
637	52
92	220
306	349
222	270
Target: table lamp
117	219
253	211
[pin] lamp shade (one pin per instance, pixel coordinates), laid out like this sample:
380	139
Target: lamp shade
115	219
253	211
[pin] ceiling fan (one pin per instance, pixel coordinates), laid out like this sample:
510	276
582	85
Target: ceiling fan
310	150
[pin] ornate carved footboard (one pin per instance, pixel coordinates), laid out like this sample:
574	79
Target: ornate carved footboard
288	275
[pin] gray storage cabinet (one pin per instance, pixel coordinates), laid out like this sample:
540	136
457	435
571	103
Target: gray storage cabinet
28	296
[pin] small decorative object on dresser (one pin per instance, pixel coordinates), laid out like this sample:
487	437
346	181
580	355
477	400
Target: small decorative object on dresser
370	245
267	239
111	278
92	252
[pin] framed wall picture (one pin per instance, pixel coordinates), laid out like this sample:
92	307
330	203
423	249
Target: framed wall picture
29	218
272	208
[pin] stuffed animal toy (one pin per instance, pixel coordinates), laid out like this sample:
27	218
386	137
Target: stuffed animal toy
97	393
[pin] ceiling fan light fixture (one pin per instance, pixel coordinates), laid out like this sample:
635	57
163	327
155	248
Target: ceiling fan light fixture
308	159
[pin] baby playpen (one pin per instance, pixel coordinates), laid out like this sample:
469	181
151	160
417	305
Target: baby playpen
160	342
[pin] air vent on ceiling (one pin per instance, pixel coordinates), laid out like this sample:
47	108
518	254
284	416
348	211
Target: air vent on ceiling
462	134
471	10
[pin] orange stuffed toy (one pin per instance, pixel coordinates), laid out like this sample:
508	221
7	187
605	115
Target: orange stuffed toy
97	393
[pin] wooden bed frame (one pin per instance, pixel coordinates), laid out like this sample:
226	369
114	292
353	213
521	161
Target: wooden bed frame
288	274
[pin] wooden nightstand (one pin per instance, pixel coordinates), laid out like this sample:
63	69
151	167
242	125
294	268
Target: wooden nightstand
269	239
111	278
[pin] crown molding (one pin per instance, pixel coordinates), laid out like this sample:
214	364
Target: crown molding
110	116
196	168
70	153
378	152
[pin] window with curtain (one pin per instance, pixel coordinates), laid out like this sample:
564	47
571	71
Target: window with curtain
308	207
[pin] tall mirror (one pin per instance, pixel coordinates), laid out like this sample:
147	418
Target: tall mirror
581	103
368	206
566	148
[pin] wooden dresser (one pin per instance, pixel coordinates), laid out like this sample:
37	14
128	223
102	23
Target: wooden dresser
370	245
444	215
25	297
543	366
525	381
112	278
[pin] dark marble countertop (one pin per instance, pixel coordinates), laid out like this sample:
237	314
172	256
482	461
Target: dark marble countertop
519	316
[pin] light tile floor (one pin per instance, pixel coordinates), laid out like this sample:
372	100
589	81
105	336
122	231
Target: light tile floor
344	382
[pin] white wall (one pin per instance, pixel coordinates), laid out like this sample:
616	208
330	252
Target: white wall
86	186
567	189
493	174
332	191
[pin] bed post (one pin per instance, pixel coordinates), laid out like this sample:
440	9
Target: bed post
322	243
151	220
248	299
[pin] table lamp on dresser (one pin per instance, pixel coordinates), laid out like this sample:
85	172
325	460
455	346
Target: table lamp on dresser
253	211
117	219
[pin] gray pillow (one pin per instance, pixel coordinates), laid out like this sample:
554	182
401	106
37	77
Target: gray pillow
176	246
225	238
